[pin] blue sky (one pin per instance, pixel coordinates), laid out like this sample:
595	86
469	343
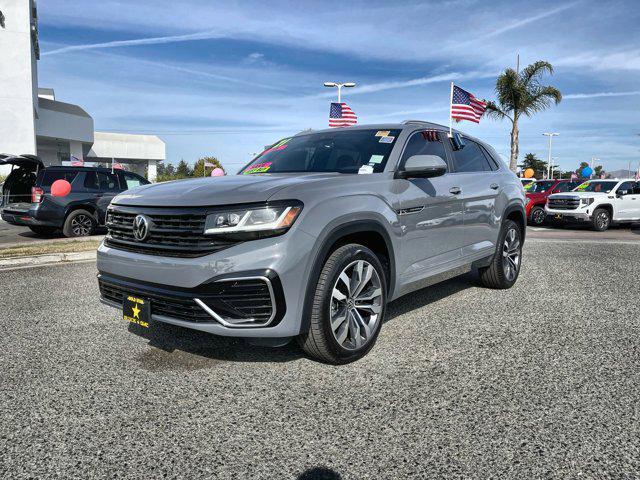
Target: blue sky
227	78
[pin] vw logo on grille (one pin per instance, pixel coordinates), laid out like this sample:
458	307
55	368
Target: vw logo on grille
140	228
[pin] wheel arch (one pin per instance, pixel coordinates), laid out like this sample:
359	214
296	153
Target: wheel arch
517	213
370	233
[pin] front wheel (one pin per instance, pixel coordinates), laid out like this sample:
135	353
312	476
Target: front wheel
538	216
601	219
348	306
505	266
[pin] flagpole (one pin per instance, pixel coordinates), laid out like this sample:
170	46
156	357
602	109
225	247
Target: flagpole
450	118
112	160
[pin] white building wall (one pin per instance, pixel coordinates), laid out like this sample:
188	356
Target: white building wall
18	79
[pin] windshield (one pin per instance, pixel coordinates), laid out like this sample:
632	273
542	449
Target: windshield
341	151
541	186
593	186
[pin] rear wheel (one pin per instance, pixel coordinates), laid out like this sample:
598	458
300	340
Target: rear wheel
348	306
601	219
41	230
79	223
537	216
505	266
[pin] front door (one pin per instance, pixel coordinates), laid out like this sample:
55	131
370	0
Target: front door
430	212
627	202
103	186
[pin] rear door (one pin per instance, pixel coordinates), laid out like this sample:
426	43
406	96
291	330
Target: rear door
430	212
101	186
475	173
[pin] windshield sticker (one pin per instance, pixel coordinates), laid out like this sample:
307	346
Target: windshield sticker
258	168
365	169
583	186
382	133
386	139
376	159
281	145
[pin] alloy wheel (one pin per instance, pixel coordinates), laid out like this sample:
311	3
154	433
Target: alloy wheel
602	220
511	254
356	305
538	216
81	225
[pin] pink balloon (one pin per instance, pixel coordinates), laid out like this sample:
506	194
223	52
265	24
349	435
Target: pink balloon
217	172
60	188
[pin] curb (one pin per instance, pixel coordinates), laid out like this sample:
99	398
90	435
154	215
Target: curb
44	241
46	259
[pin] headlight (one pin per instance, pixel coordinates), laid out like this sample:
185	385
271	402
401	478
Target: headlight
527	201
254	222
586	201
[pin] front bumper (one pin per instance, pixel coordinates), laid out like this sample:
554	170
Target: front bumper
577	215
284	260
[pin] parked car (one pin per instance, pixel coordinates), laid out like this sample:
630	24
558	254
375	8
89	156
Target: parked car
526	183
537	197
28	200
597	202
315	236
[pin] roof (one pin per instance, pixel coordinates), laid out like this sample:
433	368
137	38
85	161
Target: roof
56	106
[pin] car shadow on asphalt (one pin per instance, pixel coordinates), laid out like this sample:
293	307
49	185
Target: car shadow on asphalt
177	348
431	294
172	342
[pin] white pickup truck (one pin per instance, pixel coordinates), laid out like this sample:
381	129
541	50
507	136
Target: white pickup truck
599	202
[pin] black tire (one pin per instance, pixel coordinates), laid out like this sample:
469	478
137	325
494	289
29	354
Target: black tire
495	275
320	341
601	220
79	223
537	216
42	230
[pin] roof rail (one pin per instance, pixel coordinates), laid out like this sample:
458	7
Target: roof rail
406	122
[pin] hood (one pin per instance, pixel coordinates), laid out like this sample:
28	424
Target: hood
210	191
30	162
577	194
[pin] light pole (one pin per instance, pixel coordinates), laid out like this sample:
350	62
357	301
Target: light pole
553	165
550	135
339	87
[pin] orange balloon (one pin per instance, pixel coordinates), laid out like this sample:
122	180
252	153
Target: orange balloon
60	188
528	173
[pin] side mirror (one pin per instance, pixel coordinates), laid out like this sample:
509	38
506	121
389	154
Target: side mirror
423	166
622	193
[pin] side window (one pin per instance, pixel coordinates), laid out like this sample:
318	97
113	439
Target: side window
626	186
563	187
133	180
428	142
471	158
51	176
106	182
636	189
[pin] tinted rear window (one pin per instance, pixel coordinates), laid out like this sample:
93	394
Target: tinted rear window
50	176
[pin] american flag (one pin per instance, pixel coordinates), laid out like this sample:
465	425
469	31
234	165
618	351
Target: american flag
341	115
77	162
464	106
430	135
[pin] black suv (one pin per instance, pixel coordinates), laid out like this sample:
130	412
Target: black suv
27	199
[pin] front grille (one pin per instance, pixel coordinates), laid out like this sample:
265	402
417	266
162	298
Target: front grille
171	233
247	301
563	203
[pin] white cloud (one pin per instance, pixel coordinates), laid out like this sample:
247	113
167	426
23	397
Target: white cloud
574	96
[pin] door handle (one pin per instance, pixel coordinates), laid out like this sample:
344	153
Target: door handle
455	190
494	186
98	195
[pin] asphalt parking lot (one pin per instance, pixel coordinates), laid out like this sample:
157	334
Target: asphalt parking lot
540	381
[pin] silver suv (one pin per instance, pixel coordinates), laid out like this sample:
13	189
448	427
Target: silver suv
315	236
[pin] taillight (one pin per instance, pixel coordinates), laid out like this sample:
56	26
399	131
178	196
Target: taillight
36	194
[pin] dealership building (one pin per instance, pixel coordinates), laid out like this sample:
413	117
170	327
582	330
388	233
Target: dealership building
33	121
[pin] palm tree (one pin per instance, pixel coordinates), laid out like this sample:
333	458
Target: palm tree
520	93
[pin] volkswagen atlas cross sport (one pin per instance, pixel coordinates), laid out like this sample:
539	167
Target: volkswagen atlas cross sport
315	236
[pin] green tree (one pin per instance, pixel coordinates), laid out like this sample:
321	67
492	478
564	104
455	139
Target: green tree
597	171
533	162
199	170
183	170
518	94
